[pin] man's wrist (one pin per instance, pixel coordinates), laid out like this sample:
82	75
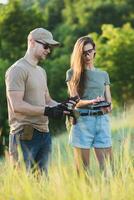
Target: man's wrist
53	112
42	110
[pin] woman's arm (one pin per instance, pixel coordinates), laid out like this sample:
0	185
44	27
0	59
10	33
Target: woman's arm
83	103
71	94
108	98
108	94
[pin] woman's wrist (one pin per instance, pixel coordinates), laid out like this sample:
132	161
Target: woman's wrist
92	101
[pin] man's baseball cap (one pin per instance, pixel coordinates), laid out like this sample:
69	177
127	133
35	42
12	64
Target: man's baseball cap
43	36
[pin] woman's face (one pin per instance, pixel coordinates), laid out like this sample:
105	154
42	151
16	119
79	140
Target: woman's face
88	54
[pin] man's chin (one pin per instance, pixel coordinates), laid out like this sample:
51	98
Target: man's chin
42	57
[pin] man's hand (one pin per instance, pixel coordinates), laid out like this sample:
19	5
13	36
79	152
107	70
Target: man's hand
64	108
54	112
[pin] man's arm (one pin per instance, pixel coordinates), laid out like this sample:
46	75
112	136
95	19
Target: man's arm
49	101
20	106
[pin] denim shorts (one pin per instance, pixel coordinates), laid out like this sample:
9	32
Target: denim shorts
37	150
91	131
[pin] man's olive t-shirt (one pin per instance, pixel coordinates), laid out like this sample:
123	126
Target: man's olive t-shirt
95	82
22	76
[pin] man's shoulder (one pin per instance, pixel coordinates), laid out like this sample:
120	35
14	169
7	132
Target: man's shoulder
19	64
17	67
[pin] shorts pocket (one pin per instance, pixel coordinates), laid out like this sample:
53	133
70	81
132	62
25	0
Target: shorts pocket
106	117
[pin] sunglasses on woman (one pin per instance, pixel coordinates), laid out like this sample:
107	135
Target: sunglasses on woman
85	53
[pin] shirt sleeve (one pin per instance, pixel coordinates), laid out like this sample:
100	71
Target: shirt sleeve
69	74
107	80
16	79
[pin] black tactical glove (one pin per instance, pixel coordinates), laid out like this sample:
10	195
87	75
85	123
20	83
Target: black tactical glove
54	112
64	108
70	103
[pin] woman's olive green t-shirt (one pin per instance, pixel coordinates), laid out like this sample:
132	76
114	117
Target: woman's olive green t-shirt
95	82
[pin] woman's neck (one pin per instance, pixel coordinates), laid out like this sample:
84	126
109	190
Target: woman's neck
91	67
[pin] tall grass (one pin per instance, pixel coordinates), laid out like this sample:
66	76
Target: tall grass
63	182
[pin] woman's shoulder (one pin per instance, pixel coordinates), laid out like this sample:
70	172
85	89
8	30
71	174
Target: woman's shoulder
101	71
70	71
69	74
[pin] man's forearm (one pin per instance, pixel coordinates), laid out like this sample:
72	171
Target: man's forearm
28	109
52	103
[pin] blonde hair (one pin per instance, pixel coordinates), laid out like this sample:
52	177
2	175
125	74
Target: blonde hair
76	84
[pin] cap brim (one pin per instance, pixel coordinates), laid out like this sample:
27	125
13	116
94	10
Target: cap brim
52	42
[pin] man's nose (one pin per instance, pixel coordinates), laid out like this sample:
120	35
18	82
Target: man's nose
48	50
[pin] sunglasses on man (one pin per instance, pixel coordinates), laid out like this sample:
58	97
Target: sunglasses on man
45	45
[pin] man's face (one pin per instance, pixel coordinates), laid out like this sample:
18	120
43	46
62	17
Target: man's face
42	50
88	53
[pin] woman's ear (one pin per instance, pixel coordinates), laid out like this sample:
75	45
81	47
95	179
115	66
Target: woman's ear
94	54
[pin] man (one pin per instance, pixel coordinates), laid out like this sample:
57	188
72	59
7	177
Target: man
29	102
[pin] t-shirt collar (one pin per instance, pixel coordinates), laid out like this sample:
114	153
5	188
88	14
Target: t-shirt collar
91	69
29	63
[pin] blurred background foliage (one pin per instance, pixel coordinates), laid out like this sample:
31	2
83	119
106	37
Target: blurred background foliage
109	22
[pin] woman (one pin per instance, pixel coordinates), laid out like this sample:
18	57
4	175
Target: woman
92	85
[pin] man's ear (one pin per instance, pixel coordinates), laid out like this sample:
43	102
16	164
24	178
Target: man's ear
32	42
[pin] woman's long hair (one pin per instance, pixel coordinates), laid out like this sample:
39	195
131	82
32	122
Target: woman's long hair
77	82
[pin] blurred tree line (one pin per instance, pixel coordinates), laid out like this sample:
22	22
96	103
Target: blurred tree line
109	22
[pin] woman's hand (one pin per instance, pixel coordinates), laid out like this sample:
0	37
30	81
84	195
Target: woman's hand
107	109
98	99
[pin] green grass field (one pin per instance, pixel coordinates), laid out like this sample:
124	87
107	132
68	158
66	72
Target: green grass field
64	184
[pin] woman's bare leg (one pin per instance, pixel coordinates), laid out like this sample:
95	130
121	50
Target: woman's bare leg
102	155
81	157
